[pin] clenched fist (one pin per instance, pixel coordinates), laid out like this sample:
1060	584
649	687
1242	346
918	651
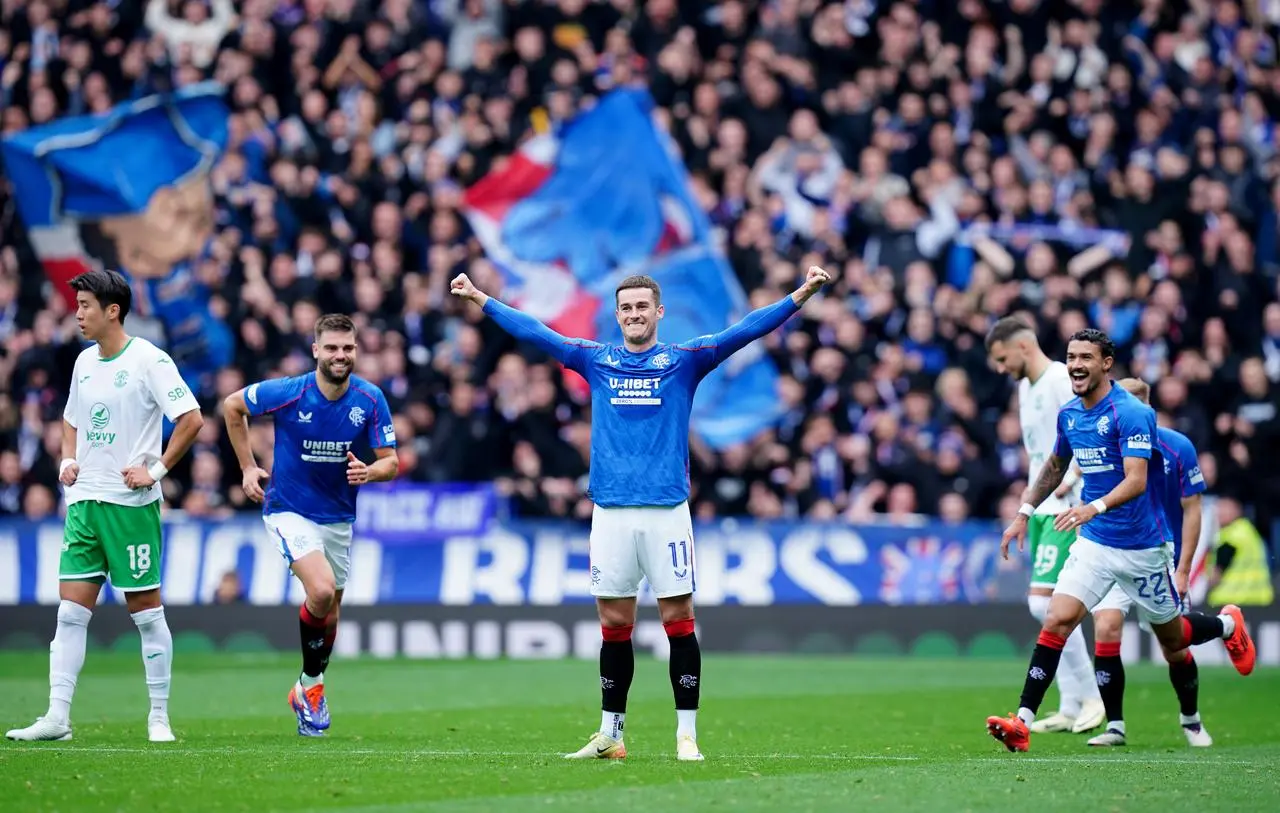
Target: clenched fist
813	282
463	286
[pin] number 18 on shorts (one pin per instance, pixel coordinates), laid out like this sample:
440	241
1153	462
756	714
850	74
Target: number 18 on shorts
630	544
102	539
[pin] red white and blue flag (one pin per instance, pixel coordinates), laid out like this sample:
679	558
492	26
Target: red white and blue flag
570	214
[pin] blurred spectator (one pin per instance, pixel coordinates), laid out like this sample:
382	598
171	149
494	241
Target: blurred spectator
1081	161
229	589
1241	573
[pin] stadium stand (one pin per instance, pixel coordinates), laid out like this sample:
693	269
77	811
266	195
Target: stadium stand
1111	163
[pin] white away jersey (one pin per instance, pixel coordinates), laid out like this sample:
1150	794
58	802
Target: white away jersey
1038	406
117	406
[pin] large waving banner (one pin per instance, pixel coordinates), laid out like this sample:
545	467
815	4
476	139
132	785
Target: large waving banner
570	214
462	557
129	190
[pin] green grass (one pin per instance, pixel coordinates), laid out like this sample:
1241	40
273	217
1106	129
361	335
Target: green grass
780	735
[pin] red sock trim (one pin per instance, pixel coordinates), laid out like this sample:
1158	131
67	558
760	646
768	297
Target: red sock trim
617	633
1187	657
1186	631
1051	640
309	619
679	629
1107	650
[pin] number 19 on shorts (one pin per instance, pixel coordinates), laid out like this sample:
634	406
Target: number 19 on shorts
679	557
139	559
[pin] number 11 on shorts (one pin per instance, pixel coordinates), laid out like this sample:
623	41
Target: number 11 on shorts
680	558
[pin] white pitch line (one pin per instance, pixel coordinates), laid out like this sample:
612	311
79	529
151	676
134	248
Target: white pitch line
161	750
1011	761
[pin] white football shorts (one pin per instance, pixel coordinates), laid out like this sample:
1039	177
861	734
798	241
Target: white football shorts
296	536
1095	574
1118	599
630	544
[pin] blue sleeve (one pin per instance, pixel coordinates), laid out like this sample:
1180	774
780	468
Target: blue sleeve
1136	428
1062	447
572	353
1189	469
268	396
711	351
382	432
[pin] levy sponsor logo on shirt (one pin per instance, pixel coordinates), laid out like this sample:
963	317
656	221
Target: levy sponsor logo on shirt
99	420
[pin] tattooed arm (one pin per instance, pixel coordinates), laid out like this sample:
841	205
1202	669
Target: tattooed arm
1051	476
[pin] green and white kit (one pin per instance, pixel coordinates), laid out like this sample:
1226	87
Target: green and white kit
1038	406
117	406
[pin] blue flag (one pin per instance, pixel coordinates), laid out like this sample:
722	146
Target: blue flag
129	190
571	214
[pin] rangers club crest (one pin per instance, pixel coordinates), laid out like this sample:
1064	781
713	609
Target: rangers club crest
661	360
357	416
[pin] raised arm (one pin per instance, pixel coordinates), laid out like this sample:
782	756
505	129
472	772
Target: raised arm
572	353
759	322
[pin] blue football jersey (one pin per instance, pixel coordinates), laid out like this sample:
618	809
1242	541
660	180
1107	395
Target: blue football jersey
1178	479
313	436
1119	426
640	402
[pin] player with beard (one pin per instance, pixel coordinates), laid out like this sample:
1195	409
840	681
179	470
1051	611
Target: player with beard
641	395
322	419
1121	534
1044	388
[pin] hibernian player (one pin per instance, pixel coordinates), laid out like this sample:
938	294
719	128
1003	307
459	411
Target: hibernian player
1112	437
1176	487
122	389
641	395
1043	388
322	419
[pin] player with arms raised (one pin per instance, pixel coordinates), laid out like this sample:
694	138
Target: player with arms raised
1176	486
1121	539
310	505
1043	388
122	389
641	395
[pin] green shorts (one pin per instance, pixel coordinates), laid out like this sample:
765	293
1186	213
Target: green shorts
103	539
1049	549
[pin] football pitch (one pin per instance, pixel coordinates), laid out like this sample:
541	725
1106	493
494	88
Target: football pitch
779	734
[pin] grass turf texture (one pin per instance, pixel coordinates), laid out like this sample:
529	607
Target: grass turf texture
779	734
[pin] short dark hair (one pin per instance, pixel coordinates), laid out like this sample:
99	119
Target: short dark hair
108	287
1006	328
1095	336
639	281
334	323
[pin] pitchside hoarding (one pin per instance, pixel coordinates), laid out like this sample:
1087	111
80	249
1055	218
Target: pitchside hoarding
437	632
464	560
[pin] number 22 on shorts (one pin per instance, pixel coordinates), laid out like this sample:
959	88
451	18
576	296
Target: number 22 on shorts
1154	587
679	557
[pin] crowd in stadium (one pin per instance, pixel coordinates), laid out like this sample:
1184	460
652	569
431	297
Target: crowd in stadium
1091	162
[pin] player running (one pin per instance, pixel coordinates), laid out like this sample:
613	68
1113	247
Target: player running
122	389
1043	388
321	420
641	395
1121	539
1176	487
